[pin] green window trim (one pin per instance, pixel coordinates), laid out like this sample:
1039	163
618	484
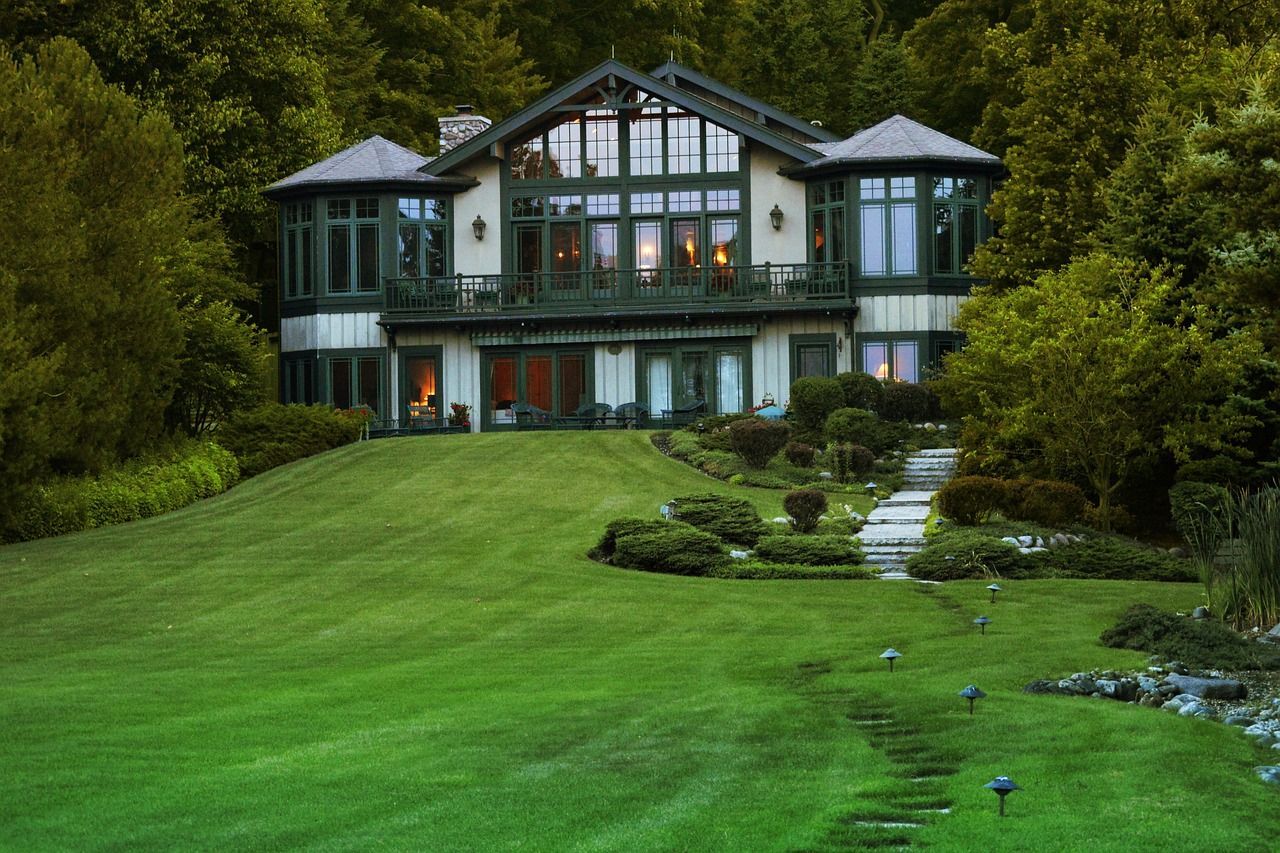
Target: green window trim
353	245
888	217
353	378
409	384
297	250
298	379
808	351
956	223
720	369
535	375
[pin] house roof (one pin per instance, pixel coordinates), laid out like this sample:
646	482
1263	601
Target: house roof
373	161
713	90
611	69
896	140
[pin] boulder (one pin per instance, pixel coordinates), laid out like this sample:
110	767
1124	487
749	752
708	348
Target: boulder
1209	688
1010	540
824	475
1026	541
1122	690
1044	686
1268	774
1201	612
1195	709
1238	720
1148	683
739	555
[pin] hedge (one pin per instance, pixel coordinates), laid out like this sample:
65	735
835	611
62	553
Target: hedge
809	550
275	434
768	571
675	550
608	544
141	488
972	500
732	519
965	554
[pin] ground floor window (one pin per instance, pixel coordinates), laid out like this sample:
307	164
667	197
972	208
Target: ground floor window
812	355
896	360
555	381
355	382
676	377
421	397
298	383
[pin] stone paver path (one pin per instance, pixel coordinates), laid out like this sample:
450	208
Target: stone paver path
895	528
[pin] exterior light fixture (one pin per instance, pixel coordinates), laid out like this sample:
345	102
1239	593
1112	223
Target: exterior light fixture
767	399
972	692
775	217
995	587
871	487
891	655
982	622
1002	785
477	226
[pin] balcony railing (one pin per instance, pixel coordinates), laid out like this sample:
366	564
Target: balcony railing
615	289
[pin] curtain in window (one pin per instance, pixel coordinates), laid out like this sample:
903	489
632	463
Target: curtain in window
659	379
728	383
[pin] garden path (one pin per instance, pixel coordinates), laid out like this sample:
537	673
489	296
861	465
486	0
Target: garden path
895	528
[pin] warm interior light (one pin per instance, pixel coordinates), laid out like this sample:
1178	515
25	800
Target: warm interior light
883	371
689	248
648	252
721	255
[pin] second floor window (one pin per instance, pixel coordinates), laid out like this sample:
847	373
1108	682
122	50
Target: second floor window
421	233
955	223
353	245
826	222
297	255
887	210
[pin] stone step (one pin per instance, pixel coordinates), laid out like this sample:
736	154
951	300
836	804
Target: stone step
936	452
905	496
908	541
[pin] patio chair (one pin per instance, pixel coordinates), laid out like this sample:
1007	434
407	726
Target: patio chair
631	415
589	415
530	417
686	414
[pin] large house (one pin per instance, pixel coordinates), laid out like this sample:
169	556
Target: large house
659	239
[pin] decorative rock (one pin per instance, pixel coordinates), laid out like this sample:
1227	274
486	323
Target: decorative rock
1269	774
1177	666
1210	688
1032	550
1042	686
1025	541
824	475
1195	709
1238	720
739	555
1123	690
1039	543
782	519
1010	540
1200	613
931	427
1148	683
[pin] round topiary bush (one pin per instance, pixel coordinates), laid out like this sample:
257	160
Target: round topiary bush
809	550
861	391
971	500
805	506
732	519
800	454
757	440
905	401
1048	502
812	399
674	550
858	426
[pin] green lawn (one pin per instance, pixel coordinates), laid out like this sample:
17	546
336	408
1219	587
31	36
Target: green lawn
401	644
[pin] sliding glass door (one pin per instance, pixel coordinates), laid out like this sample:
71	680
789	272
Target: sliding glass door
717	375
555	381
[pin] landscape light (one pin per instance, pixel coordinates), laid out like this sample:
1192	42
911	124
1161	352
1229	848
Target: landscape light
982	622
891	655
995	587
1002	785
972	692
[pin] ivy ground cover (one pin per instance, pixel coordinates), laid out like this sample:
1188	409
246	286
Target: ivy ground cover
402	643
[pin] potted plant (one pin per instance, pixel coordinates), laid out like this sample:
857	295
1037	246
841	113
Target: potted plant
460	415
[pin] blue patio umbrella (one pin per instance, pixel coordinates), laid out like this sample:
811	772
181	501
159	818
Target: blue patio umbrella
773	413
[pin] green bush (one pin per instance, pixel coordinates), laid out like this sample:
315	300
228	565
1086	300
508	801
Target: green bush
971	500
674	550
764	570
905	401
813	398
861	391
717	423
1049	502
761	480
858	426
169	479
805	506
721	440
1197	508
684	446
800	454
274	434
1220	470
757	440
627	526
809	550
839	525
732	519
1201	643
965	554
1112	558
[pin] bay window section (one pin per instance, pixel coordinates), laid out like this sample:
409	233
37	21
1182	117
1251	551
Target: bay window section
955	223
826	222
353	245
356	382
296	266
421	231
887	211
898	361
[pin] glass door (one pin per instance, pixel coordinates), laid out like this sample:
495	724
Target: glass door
694	365
604	260
503	393
686	255
524	290
647	257
421	400
566	261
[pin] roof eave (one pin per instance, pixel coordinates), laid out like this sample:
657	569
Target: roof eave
815	168
456	183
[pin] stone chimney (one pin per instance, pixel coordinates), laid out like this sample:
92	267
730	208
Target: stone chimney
457	129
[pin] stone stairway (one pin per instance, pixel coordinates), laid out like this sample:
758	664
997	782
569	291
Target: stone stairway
895	528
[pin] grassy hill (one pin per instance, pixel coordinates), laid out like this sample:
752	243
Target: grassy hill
401	644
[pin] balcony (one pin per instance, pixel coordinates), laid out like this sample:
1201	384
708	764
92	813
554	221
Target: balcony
619	293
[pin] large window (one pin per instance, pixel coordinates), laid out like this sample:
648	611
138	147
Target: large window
353	245
556	381
421	237
892	360
299	381
356	381
659	141
826	222
955	223
887	211
297	260
812	355
674	377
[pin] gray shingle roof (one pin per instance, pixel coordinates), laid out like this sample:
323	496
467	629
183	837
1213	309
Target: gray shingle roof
899	139
373	160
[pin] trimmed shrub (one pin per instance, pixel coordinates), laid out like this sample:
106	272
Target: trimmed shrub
971	500
800	454
813	398
861	391
674	550
152	485
761	480
1220	470
274	434
732	519
805	506
717	423
1048	502
809	550
767	571
966	554
858	426
1197	508
1112	558
840	525
627	526
905	401
1208	643
757	440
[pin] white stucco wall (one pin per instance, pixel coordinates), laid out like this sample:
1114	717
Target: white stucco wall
472	256
786	246
771	352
